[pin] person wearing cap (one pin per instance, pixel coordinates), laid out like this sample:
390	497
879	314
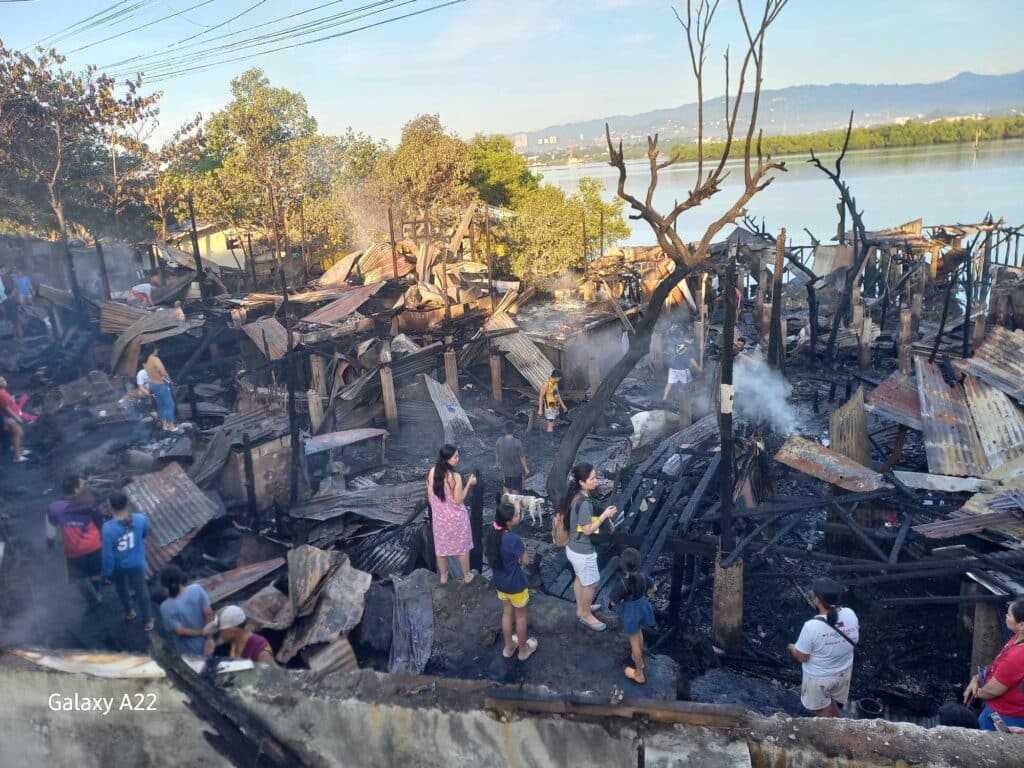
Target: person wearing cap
11	413
825	649
124	558
185	613
229	623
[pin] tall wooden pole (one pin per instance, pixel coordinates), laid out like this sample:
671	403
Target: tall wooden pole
968	299
252	260
584	236
195	249
776	341
394	245
490	257
103	270
302	235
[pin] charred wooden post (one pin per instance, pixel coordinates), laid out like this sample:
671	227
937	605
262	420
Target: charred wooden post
727	621
293	423
657	344
250	482
193	404
496	365
252	260
195	249
387	388
451	366
865	343
916	304
776	341
968	299
318	374
979	327
476	521
762	285
316	409
394	244
987	633
490	258
103	270
685	408
675	593
906	342
950	283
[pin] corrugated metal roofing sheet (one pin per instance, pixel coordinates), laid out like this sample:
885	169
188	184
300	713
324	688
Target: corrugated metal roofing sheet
896	399
341	439
269	336
152	321
825	464
389	552
176	508
376	263
999	361
345	306
223	585
454	420
386	503
520	350
950	439
998	420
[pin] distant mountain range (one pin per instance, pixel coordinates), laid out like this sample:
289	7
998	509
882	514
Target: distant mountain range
800	109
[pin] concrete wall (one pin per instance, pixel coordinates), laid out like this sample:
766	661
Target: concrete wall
32	735
368	719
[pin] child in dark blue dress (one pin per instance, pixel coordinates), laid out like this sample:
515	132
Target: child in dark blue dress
629	595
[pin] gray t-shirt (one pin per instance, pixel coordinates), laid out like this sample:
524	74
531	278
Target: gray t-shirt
509	451
186	610
581	513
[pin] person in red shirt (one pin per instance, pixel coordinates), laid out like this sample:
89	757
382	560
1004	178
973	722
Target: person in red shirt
11	414
79	521
1000	685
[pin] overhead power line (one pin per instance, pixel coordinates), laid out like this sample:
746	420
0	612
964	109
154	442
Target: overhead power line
143	26
207	64
112	14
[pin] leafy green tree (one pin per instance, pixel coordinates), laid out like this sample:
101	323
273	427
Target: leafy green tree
428	171
593	204
546	235
500	176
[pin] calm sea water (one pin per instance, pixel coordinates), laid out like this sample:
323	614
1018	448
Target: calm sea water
943	184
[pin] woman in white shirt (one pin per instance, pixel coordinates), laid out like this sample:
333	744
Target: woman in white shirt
825	649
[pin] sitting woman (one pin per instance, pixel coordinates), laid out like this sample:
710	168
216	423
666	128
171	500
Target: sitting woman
999	685
230	625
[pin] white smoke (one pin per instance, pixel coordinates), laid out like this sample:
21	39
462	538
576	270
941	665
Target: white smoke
762	394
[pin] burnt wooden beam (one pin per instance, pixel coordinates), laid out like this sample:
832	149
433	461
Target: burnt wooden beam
945	599
860	534
894	554
746	540
241	736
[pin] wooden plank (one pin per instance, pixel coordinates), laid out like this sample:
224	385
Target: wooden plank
944	483
454	420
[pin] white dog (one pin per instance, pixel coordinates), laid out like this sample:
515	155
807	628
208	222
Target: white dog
532	504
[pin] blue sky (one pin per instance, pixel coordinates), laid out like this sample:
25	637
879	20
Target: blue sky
506	65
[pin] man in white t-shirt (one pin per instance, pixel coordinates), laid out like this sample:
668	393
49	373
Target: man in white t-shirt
825	649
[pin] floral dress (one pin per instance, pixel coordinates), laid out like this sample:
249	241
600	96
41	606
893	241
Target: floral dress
452	532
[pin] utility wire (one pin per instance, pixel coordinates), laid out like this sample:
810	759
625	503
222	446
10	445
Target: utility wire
206	65
252	7
161	57
173	61
112	14
143	26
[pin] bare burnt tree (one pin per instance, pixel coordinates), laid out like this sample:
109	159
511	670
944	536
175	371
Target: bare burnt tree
861	247
757	175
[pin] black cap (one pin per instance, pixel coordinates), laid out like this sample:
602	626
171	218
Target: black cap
828	590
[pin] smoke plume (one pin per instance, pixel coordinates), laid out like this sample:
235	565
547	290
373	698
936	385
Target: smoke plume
762	394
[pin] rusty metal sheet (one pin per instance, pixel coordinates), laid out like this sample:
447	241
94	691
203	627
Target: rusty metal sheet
159	320
176	509
385	503
999	361
340	439
269	608
339	609
223	585
951	441
120	666
336	656
521	352
269	336
350	301
454	420
848	428
979	503
998	419
943	483
816	460
896	399
308	570
340	270
376	264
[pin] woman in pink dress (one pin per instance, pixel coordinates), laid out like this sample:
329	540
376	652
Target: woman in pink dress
453	536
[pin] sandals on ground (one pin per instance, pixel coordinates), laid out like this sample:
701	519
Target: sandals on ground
599	627
636	675
531	646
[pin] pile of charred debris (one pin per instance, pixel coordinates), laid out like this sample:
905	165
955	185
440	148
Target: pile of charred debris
879	440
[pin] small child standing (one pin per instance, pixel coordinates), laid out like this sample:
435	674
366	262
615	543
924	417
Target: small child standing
507	555
549	400
630	597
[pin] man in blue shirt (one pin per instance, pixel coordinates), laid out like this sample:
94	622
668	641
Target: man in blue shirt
124	558
185	613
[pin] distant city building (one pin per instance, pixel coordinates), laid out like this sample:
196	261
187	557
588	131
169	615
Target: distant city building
547	140
522	141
